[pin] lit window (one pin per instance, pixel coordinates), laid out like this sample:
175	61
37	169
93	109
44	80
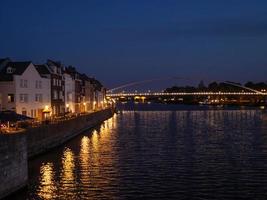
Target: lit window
10	98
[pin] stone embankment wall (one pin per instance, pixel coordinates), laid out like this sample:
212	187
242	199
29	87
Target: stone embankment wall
16	149
43	138
13	163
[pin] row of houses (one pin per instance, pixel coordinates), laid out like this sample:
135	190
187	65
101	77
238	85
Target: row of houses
47	90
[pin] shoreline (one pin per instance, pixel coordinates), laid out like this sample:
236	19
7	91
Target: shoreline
20	148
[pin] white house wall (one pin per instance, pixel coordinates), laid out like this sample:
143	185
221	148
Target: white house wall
69	93
32	107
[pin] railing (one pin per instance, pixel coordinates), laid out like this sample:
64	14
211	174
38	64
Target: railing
21	125
186	94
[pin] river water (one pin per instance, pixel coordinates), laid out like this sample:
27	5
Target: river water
163	152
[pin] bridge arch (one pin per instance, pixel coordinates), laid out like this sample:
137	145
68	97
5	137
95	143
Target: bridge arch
176	78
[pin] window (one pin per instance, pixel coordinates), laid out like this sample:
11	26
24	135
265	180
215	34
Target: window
9	70
38	84
24	111
60	94
25	83
69	96
10	98
55	94
54	81
23	98
38	97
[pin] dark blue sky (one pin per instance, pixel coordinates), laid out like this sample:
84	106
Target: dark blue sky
119	41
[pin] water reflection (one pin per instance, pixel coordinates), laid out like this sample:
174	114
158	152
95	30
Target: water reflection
47	188
207	154
67	176
84	160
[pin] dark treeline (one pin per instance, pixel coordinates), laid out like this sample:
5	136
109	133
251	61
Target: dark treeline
216	87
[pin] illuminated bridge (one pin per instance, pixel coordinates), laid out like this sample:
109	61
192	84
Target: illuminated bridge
158	94
244	92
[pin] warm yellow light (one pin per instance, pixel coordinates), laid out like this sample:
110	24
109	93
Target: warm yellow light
94	102
67	105
84	104
46	108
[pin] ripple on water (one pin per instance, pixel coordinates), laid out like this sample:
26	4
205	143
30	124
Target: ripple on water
207	154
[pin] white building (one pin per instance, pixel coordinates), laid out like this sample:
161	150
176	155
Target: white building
69	93
24	90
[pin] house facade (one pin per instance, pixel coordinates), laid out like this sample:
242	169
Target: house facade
78	95
57	88
99	94
47	90
88	93
24	90
69	93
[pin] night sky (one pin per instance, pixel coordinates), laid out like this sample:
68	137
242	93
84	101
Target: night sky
120	41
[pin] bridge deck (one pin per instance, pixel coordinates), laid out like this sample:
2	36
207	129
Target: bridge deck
188	94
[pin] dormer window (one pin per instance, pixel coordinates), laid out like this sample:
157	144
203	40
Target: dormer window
9	70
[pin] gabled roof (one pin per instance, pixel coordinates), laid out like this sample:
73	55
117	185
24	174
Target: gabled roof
73	72
96	83
42	69
54	63
17	67
84	77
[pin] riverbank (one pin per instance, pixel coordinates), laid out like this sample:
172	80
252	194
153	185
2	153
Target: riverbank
16	149
46	137
171	154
